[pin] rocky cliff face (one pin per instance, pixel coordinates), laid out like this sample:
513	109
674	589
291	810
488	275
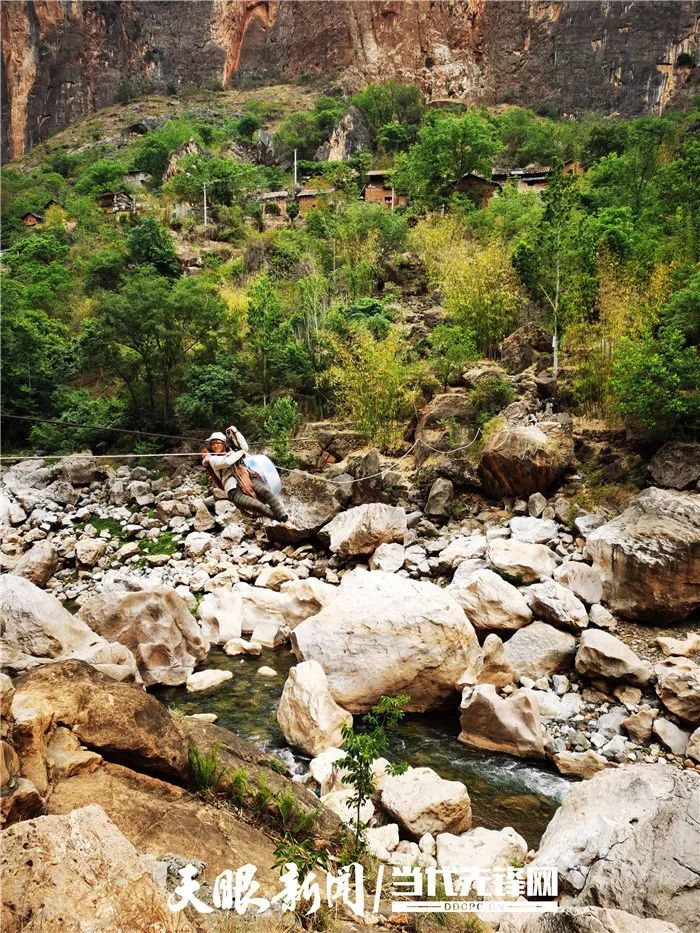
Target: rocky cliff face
62	60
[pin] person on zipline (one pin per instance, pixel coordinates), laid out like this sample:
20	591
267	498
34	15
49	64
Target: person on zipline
227	469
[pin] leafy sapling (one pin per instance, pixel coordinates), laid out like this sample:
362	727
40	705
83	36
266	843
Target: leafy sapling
363	747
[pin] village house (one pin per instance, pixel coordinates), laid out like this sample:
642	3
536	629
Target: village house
117	202
530	178
379	190
308	198
30	219
479	189
278	198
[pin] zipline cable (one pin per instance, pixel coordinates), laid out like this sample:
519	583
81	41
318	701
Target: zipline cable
105	427
331	482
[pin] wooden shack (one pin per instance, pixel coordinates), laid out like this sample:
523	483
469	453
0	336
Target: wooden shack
531	178
278	198
30	219
117	202
309	198
478	188
379	190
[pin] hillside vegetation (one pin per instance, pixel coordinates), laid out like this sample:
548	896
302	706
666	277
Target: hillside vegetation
153	322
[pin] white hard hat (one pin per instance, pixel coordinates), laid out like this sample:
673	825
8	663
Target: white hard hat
216	436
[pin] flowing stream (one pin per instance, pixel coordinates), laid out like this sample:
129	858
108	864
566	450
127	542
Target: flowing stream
504	791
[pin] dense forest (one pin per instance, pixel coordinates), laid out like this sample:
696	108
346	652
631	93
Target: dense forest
288	316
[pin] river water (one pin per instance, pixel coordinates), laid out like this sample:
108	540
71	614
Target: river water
504	791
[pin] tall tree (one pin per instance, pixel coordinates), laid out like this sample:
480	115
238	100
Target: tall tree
448	148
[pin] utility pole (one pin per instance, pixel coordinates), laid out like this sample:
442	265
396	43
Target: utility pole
295	169
204	188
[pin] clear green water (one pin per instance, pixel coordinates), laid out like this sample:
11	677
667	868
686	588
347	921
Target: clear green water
504	791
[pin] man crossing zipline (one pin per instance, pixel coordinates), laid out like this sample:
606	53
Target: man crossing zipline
250	482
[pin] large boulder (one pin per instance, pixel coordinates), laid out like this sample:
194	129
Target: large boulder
601	654
554	603
539	650
307	714
629	838
650	557
221	615
495	669
268	615
440	498
39	563
447	421
389	635
519	460
676	465
156	625
678	687
533	530
119	720
310	503
362	529
78	872
170	823
511	725
490	602
582	579
522	562
480	848
423	802
584	920
524	346
79	469
37	628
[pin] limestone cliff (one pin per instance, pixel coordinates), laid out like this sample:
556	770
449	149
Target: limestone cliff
61	60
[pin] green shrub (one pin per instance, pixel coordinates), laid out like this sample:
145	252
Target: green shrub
281	424
262	797
205	771
238	786
363	745
490	395
293	821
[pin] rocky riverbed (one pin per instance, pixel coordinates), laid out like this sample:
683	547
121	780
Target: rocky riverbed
517	626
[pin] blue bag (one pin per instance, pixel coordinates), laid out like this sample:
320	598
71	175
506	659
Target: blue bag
265	468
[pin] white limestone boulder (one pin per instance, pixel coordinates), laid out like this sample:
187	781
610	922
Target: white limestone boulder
553	603
384	634
522	562
511	725
601	654
539	650
307	714
584	580
649	557
629	838
490	602
362	529
37	628
423	802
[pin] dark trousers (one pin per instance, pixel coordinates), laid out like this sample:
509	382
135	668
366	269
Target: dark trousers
267	504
